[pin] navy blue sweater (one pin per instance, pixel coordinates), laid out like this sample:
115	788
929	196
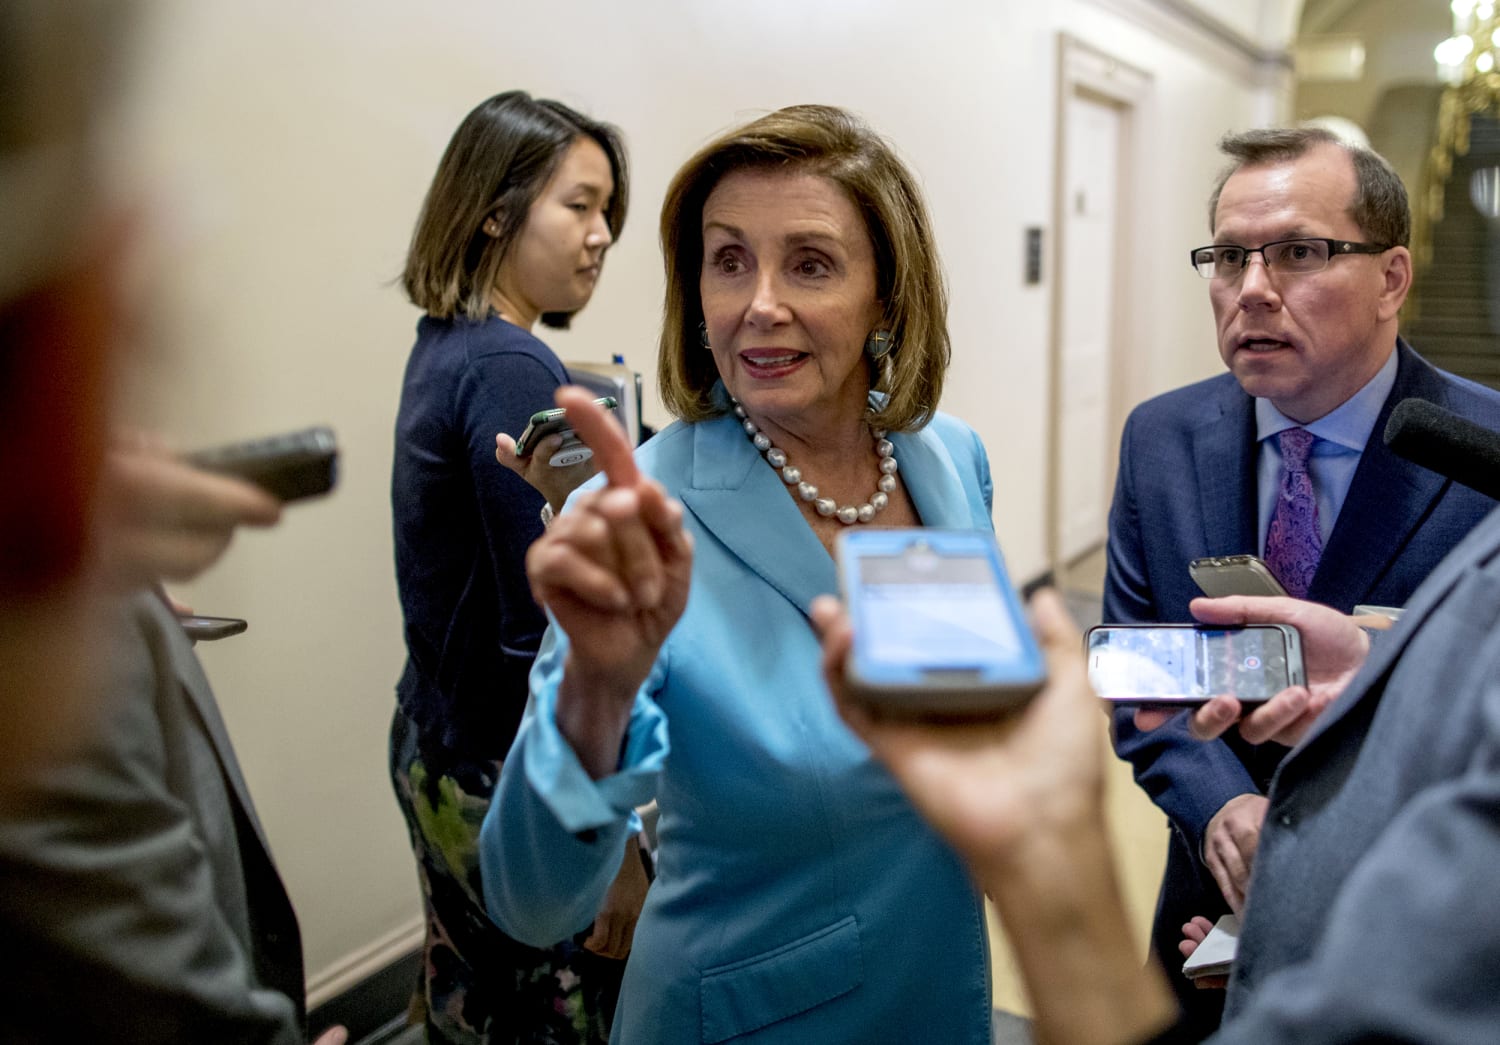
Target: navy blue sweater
463	523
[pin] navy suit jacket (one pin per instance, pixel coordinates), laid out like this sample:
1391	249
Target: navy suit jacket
1186	489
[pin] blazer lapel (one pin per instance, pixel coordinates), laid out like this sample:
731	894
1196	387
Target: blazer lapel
1386	649
1387	500
742	502
930	477
1224	448
200	696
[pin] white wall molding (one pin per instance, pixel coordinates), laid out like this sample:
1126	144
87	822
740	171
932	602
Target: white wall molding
1191	27
366	961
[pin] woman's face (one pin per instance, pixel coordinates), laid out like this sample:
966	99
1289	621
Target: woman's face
788	291
555	261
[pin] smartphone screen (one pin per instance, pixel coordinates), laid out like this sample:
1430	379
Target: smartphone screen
924	610
935	620
1188	665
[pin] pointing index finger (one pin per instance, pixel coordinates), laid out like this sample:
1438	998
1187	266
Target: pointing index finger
601	434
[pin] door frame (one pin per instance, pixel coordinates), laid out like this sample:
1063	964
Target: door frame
1087	70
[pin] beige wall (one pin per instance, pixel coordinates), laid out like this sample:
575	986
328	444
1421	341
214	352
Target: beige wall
290	144
1398	36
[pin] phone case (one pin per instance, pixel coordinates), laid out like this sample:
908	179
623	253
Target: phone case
207	629
1220	575
548	422
951	662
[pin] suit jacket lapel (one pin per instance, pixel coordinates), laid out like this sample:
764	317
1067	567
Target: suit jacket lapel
200	696
772	538
1224	449
743	503
930	478
1386	649
1387	500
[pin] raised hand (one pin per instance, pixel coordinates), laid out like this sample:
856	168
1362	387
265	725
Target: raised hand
614	571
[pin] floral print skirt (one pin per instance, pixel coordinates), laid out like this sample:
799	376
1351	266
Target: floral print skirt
479	986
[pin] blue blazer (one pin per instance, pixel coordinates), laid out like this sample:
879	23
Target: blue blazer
1186	489
799	897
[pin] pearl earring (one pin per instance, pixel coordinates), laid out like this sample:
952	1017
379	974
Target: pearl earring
703	334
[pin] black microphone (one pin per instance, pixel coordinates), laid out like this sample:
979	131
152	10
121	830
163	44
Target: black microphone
1443	442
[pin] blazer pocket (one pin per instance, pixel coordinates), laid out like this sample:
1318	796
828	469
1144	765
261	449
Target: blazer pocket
747	995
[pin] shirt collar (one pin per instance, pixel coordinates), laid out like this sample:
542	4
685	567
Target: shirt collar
1349	425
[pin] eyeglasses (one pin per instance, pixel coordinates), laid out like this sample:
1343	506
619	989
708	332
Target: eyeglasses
1227	261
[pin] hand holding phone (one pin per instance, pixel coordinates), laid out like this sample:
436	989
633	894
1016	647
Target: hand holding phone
1186	665
543	423
938	628
290	467
162	518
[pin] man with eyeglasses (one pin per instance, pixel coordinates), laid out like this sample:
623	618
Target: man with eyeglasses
1282	458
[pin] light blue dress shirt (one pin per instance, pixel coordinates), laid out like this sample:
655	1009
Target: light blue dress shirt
1342	435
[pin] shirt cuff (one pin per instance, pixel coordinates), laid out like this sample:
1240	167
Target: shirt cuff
579	802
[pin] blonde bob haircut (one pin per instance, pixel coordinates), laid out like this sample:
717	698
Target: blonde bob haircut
837	145
496	165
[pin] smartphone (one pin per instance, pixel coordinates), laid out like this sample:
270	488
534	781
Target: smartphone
1218	575
290	467
1171	665
550	422
938	628
206	629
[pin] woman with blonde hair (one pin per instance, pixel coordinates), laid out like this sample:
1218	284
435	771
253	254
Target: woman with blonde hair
799	898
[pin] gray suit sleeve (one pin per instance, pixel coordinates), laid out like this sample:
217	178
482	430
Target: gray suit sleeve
112	897
1413	939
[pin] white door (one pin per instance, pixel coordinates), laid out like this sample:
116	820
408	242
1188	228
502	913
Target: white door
1086	322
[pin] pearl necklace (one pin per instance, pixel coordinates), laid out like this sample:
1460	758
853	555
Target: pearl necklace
847	514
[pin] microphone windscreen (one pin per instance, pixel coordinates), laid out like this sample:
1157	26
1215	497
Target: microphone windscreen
1442	441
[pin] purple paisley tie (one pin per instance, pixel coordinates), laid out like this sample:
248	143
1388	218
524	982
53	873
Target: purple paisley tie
1293	543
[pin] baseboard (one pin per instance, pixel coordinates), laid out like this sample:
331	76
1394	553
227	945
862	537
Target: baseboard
369	991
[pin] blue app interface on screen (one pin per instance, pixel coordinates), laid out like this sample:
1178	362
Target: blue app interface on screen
922	609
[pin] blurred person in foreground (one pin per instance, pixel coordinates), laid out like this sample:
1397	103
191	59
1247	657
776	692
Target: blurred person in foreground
137	899
526	201
798	897
1368	916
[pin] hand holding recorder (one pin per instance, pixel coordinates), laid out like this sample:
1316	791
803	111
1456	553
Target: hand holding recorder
161	518
614	572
